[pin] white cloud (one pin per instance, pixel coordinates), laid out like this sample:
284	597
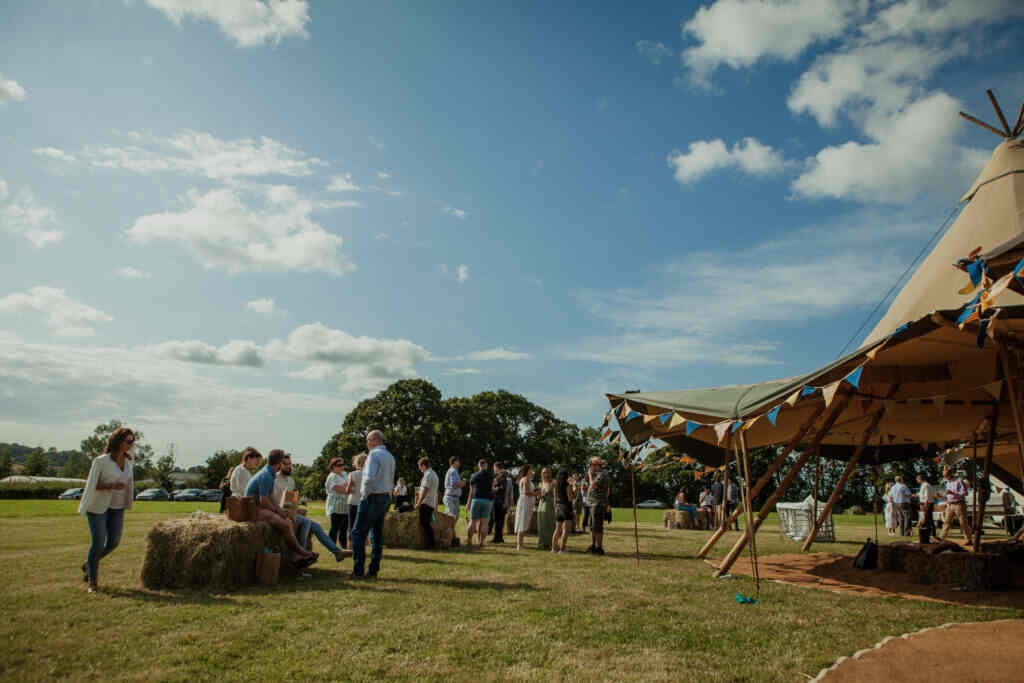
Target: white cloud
11	91
130	273
452	211
65	316
235	352
21	214
221	229
463	272
644	349
383	175
938	16
343	183
263	306
330	204
705	156
202	154
498	353
55	154
912	152
653	50
462	371
249	22
738	33
367	364
443	267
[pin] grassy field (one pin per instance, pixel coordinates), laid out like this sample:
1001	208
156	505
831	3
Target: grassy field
490	614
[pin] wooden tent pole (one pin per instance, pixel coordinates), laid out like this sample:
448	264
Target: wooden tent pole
748	504
817	485
837	408
847	472
636	533
1019	126
1015	408
978	521
763	481
999	112
983	124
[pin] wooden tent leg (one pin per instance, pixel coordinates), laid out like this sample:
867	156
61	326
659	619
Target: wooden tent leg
979	518
1012	390
838	407
850	466
763	481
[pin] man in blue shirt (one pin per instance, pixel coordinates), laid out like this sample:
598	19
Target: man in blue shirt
452	488
262	486
378	482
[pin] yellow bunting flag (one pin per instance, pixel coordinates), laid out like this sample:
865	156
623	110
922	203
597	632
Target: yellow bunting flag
874	352
751	422
676	421
722	428
794	397
829	392
687	459
994	388
648	419
624	410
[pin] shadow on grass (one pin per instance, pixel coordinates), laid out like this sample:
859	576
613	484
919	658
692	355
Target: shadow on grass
466	583
170	597
413	560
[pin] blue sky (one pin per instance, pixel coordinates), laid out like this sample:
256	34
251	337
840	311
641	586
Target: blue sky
227	223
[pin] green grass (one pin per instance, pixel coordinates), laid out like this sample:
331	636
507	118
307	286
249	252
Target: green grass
488	614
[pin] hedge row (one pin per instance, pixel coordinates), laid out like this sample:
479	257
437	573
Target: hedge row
21	491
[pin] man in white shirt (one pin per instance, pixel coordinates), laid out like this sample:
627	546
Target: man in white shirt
900	494
378	482
926	501
242	473
426	502
284	482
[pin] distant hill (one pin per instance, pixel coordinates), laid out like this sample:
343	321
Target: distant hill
19	453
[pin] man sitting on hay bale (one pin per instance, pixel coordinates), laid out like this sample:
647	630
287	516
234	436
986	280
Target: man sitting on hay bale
262	486
284	487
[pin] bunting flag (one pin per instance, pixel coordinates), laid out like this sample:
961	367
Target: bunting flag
665	417
940	403
632	414
687	460
807	390
793	398
676	420
606	434
691	427
697	474
854	377
829	392
613	437
994	388
982	333
874	352
648	419
899	329
773	414
604	422
751	422
624	409
721	428
736	424
969	312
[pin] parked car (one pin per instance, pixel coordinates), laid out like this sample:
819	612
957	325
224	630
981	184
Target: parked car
153	494
71	494
188	494
211	495
651	504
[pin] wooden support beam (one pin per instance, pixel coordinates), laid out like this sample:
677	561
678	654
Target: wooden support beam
1018	127
749	513
763	481
979	519
982	124
837	408
847	472
1014	408
999	112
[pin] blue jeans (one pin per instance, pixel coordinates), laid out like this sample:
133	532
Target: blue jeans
307	525
369	519
106	530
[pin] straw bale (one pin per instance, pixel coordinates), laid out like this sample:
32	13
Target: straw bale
510	522
213	553
679	519
974	571
402	530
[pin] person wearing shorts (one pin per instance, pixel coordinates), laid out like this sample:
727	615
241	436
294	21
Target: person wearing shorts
480	502
565	516
598	499
453	488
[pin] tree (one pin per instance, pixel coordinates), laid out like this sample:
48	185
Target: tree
76	467
142	453
6	463
37	464
162	471
217	466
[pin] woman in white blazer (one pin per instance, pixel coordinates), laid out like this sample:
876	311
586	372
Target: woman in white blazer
108	493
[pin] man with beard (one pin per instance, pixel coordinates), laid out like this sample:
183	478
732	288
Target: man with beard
284	482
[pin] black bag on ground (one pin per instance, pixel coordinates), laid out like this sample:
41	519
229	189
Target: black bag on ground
867	558
924	534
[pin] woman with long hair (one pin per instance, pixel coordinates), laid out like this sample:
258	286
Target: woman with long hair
354	488
108	493
565	494
524	506
545	510
336	506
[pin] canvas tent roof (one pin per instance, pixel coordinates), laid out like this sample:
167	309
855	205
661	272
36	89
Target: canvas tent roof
934	381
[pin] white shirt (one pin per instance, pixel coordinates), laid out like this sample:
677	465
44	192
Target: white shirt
282	483
105	470
428	488
356	495
379	472
926	494
900	493
240	477
337	503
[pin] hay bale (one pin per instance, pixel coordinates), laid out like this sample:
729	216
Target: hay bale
213	553
402	530
510	522
667	519
981	571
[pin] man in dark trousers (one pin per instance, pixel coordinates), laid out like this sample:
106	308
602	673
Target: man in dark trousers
502	489
717	500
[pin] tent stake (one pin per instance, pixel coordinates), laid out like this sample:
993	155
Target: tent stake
847	471
763	481
837	408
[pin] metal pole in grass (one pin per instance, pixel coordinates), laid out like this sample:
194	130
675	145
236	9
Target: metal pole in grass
636	531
